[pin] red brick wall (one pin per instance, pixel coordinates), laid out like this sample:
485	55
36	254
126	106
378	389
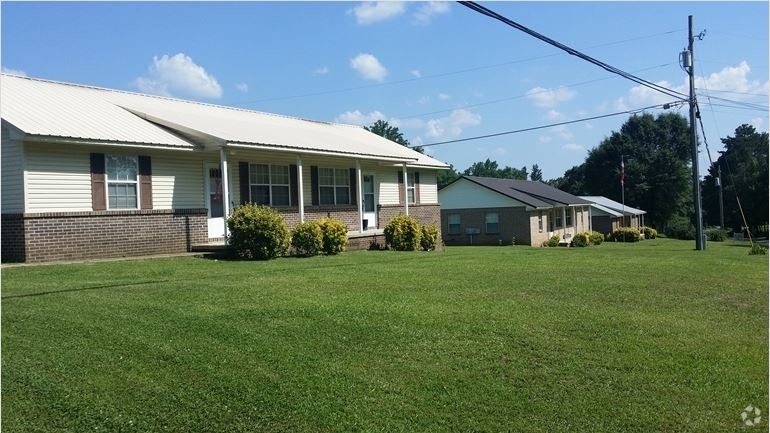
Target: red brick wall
82	235
513	222
424	213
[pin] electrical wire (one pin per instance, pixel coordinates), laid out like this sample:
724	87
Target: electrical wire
550	125
745	104
730	91
510	98
488	12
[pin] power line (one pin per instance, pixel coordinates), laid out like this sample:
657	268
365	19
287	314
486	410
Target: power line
738	107
550	125
444	74
732	91
745	104
483	10
510	98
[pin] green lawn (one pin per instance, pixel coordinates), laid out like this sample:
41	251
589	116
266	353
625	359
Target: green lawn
615	338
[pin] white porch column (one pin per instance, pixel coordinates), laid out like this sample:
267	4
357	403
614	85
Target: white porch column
564	221
225	186
590	223
300	191
360	197
406	190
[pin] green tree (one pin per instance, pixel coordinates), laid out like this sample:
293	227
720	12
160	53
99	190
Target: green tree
536	174
490	168
744	163
656	152
445	177
385	129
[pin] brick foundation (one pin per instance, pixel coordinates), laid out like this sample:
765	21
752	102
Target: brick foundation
424	213
513	222
56	236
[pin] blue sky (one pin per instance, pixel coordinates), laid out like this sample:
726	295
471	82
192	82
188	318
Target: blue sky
439	71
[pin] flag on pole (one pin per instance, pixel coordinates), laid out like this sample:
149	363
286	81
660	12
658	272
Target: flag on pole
622	172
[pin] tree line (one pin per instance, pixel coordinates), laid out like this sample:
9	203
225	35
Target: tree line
657	172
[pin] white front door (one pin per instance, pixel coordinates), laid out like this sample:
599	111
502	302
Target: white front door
370	202
214	201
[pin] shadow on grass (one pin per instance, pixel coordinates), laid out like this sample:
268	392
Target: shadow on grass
82	289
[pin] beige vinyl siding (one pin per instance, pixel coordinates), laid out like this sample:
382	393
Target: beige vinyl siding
58	178
428	188
12	181
177	180
387	177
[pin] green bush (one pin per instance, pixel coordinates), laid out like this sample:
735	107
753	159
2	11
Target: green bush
580	240
680	228
649	233
258	232
757	250
552	242
626	234
596	238
716	235
335	235
429	237
307	239
402	233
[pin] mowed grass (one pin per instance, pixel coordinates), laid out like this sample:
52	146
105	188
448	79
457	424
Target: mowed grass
651	337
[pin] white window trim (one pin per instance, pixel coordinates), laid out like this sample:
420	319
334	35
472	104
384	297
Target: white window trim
334	186
107	183
412	200
270	183
568	216
540	222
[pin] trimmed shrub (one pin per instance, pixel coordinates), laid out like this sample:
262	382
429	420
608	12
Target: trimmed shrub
402	233
596	238
716	235
307	239
649	233
757	250
552	242
335	235
680	228
429	236
626	234
580	240
258	232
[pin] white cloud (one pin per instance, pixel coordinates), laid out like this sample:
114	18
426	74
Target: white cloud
358	118
372	12
572	147
550	98
443	96
563	132
178	74
451	126
757	123
425	13
554	115
18	72
545	139
416	73
369	67
242	87
323	70
423	100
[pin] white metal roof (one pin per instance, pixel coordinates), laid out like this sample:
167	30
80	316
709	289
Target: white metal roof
612	204
46	108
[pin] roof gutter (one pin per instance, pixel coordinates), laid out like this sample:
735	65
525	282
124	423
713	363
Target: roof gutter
316	152
32	138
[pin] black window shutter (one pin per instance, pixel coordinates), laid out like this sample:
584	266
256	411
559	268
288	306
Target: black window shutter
98	182
243	181
294	187
145	182
401	186
353	187
314	184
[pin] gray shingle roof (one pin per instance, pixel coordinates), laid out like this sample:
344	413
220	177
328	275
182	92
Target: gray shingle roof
532	193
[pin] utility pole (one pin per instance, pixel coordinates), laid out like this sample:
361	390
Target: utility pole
689	61
623	188
721	205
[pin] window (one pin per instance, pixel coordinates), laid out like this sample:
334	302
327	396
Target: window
454	224
540	221
269	184
550	221
558	218
334	185
122	182
568	217
410	187
491	223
